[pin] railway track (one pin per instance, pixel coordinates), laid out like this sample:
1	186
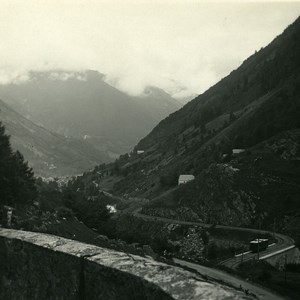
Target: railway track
282	241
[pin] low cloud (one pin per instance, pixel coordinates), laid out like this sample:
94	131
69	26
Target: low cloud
181	47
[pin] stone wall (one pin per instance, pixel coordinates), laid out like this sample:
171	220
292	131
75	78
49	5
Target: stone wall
40	266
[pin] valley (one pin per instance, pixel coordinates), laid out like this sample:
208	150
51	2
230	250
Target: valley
83	106
194	185
257	187
49	154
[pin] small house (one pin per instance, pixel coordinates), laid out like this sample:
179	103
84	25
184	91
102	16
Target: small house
111	209
140	152
185	178
237	151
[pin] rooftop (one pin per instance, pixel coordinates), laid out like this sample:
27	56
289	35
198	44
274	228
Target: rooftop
186	177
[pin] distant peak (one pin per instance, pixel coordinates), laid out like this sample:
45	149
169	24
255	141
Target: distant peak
64	75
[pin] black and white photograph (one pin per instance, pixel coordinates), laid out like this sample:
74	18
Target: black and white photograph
149	149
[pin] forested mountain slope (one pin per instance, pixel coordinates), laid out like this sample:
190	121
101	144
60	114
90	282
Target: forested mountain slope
268	79
256	108
48	153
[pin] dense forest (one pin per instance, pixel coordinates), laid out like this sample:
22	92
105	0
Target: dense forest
17	183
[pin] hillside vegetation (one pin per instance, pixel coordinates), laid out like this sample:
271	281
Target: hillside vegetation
49	153
17	184
255	108
30	204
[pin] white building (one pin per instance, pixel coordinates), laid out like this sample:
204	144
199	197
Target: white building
111	209
185	178
140	151
237	151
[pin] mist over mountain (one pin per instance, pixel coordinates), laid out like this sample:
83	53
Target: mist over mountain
122	127
49	153
84	106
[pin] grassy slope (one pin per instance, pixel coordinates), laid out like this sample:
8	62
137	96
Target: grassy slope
257	102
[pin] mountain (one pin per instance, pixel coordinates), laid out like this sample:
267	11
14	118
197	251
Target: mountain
84	106
48	153
255	108
157	103
185	100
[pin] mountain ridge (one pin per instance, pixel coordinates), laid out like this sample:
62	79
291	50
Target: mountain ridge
255	103
49	153
83	105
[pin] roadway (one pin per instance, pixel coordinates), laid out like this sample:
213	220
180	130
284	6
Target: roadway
220	276
283	241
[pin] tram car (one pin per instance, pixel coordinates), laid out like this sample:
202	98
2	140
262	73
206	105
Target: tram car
258	245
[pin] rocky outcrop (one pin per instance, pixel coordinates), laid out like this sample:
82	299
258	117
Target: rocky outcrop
42	266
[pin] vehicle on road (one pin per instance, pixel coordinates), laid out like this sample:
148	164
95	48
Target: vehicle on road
258	245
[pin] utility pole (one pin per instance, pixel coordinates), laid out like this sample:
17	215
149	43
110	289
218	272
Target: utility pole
285	263
257	249
242	258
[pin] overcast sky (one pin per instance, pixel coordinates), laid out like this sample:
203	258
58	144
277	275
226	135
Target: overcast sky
182	47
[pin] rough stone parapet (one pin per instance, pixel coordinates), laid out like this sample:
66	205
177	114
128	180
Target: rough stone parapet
42	266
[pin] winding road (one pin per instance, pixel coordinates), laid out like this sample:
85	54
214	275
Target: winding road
283	242
260	293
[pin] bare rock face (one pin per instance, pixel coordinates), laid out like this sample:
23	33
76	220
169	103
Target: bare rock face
41	266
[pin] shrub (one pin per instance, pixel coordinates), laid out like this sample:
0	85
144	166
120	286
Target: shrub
64	212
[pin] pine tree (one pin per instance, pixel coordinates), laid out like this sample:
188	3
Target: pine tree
17	184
